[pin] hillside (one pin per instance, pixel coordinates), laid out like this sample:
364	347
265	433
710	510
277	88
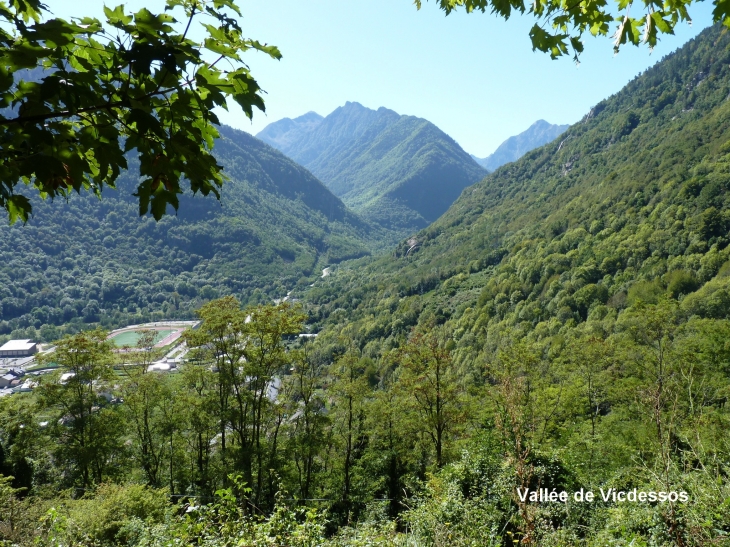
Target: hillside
87	259
634	195
538	134
582	295
400	172
545	365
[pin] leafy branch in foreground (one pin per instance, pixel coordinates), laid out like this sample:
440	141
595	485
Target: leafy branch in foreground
76	96
561	24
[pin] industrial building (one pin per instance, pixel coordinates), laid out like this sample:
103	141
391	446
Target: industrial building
18	348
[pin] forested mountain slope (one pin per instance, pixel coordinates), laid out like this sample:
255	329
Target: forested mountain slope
538	134
579	298
87	259
401	172
632	203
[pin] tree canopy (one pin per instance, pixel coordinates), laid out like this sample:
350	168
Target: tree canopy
77	97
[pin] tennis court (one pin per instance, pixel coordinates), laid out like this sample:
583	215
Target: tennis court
130	337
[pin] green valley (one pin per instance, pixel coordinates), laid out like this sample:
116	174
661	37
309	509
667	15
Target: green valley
542	359
630	204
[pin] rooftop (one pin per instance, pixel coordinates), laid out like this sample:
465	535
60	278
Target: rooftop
17	345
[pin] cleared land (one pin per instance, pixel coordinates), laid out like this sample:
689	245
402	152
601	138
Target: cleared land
167	332
130	337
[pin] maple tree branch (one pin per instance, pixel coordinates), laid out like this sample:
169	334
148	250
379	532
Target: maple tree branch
69	113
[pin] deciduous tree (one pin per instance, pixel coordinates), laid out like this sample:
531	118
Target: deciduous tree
429	381
561	25
78	97
348	392
82	422
143	394
246	349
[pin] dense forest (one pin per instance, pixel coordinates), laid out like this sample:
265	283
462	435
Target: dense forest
630	204
90	262
563	327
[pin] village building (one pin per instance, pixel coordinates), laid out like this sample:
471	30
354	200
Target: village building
7	379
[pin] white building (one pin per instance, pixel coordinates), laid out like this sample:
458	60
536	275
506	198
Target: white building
18	348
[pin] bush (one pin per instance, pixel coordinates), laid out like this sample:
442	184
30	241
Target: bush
107	516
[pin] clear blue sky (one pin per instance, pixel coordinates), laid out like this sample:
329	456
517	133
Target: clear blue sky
475	76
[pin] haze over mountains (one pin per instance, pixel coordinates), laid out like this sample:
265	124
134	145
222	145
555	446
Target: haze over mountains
538	134
400	172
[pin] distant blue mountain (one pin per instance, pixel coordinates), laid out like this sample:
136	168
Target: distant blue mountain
286	133
538	134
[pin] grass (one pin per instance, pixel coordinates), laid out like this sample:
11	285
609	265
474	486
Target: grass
41	367
130	337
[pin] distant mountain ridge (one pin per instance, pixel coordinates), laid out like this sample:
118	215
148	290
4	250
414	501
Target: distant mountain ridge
285	133
401	172
537	135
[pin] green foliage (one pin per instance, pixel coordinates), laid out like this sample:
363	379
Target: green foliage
431	389
398	172
150	407
78	96
76	398
245	349
560	27
139	516
11	509
107	516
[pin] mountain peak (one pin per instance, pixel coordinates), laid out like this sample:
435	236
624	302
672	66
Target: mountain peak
309	117
281	134
538	134
350	108
401	172
354	107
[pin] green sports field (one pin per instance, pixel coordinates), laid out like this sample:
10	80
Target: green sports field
130	337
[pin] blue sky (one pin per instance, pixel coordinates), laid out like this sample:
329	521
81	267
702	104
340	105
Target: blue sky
475	76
